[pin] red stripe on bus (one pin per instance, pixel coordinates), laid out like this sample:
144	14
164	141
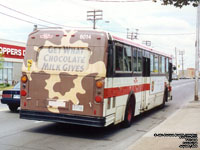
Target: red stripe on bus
119	91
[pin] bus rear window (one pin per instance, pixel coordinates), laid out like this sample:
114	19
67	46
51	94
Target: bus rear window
63	59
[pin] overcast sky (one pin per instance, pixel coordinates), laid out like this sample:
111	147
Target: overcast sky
166	27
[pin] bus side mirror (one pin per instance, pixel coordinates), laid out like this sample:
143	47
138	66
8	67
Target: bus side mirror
170	72
174	67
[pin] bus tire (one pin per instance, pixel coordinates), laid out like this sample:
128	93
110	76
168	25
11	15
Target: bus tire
129	114
164	98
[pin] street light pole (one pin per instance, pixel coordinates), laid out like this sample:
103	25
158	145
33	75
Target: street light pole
176	61
196	97
182	63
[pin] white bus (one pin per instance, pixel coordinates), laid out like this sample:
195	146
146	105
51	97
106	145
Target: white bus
91	78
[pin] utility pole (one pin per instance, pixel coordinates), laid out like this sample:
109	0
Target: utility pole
176	61
94	15
147	43
132	35
182	61
136	33
196	97
127	35
35	27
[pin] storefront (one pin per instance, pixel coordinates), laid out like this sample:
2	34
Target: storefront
12	54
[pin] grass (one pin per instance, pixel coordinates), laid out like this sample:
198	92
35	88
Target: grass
6	88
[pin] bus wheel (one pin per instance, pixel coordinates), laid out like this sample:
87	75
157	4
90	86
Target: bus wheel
128	114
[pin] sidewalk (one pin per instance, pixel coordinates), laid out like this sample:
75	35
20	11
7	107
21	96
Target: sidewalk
178	132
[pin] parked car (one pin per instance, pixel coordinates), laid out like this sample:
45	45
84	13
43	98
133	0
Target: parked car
174	77
12	98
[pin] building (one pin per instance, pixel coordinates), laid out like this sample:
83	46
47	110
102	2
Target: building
189	73
12	54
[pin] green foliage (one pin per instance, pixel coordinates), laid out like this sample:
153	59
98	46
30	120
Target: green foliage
3	85
180	3
7	84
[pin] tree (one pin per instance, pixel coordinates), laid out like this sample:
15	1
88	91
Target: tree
180	3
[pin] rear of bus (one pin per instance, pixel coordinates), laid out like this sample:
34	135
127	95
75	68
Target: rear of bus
63	76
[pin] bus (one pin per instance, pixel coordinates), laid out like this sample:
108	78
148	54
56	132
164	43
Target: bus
90	77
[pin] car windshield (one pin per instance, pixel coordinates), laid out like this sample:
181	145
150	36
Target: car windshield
17	86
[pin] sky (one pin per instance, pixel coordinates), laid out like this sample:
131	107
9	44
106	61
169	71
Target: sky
166	27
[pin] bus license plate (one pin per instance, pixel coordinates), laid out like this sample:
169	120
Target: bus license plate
77	107
56	104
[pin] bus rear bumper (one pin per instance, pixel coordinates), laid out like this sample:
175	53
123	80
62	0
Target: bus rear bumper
63	118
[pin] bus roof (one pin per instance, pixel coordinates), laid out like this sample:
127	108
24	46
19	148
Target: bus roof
115	38
132	43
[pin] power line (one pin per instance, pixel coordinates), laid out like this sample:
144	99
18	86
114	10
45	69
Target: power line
166	34
23	20
29	15
156	34
117	1
38	18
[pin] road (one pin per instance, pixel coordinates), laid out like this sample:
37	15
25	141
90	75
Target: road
18	134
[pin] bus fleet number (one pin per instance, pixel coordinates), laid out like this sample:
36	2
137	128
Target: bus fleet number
85	36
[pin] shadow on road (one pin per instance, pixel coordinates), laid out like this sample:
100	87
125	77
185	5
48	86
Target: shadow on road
79	131
90	132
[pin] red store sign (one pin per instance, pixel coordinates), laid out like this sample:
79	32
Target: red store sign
12	51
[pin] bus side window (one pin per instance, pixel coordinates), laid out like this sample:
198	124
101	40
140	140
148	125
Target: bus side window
134	59
127	58
119	58
167	65
155	63
163	65
151	63
160	64
139	64
110	67
146	64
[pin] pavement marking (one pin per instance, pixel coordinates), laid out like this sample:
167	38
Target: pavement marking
38	121
4	109
178	86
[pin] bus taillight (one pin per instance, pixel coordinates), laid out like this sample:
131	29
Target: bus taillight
99	91
23	93
24	78
98	99
99	84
